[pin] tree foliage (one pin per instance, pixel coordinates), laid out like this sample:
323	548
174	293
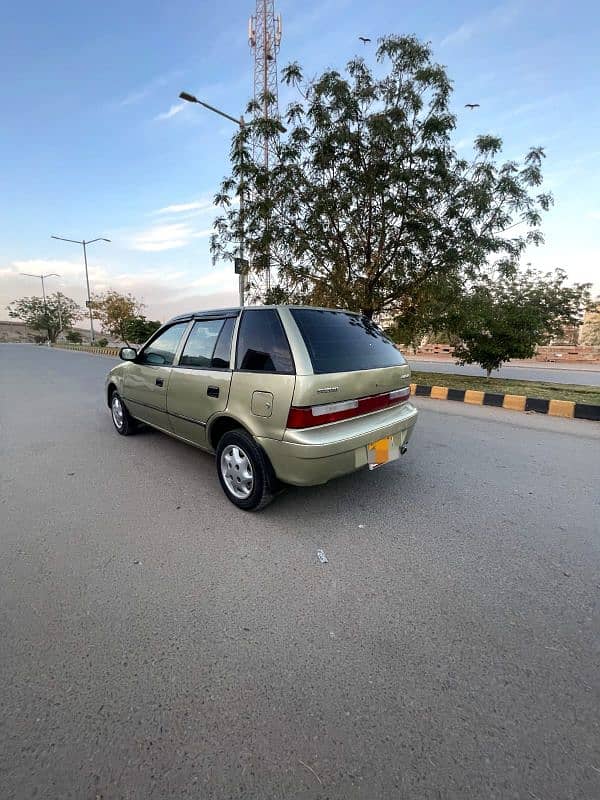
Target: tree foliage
74	337
115	311
366	203
139	329
507	316
590	330
46	317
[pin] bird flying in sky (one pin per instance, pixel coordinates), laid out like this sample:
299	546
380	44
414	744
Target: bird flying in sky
471	105
364	39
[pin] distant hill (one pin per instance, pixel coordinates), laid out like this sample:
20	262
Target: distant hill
13	331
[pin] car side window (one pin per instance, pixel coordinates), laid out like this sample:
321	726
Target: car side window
200	346
161	351
262	343
222	356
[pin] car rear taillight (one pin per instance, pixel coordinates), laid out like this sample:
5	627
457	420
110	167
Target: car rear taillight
309	416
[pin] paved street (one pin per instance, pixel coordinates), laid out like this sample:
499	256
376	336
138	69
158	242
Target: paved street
159	643
587	374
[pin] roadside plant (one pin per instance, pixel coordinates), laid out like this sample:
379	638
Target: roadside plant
506	316
114	311
366	203
48	316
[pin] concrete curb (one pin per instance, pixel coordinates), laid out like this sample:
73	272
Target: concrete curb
86	348
513	402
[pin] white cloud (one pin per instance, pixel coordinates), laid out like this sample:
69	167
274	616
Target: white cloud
460	35
176	108
65	269
165	291
495	20
137	95
195	205
167	236
222	277
462	144
162	237
593	214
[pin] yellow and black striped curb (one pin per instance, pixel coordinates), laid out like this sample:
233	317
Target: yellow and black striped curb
85	348
513	402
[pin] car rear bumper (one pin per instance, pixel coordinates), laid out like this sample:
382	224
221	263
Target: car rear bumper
316	455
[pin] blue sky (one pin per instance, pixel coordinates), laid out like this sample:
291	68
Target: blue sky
94	142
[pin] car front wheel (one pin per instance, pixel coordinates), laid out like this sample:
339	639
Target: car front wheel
244	471
122	419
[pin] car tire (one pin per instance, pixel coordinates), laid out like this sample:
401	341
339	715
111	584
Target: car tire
122	420
244	471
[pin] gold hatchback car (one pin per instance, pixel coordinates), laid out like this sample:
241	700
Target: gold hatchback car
282	394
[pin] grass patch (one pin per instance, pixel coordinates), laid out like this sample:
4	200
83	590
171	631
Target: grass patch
550	391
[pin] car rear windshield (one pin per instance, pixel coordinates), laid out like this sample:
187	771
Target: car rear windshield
338	341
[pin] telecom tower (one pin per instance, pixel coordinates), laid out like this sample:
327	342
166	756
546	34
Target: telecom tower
264	37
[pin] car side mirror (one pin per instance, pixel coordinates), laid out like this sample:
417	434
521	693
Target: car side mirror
128	353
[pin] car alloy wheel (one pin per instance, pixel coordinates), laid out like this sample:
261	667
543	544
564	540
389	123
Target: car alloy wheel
237	472
117	411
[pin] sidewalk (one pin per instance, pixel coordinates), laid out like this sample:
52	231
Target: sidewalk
573	366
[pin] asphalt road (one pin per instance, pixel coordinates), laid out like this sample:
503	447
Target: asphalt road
158	643
587	376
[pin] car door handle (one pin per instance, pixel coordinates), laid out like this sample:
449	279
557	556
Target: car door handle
160	382
212	391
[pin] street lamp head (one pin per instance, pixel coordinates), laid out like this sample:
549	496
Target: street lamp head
62	239
189	97
47	275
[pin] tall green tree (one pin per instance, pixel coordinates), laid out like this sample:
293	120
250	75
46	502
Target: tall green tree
139	329
366	203
115	311
590	329
507	316
58	313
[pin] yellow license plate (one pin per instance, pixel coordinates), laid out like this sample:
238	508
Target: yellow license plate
382	451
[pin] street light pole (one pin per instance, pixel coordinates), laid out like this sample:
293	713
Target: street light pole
60	325
87	279
241	122
44	296
242	275
87	283
42	277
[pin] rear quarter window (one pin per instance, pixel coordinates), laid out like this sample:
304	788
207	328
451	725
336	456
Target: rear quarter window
262	343
338	341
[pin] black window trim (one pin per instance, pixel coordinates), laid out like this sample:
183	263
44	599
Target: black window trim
167	326
217	313
237	342
194	320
